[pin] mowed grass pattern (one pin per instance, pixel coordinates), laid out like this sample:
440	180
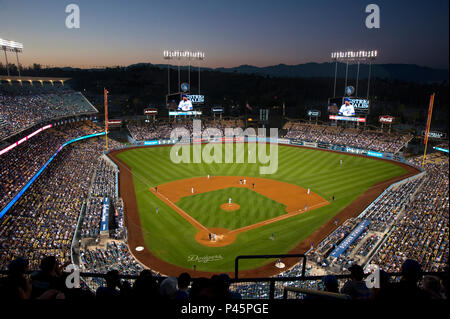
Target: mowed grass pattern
254	208
171	238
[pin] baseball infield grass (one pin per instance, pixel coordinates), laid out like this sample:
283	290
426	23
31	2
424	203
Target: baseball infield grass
172	238
254	208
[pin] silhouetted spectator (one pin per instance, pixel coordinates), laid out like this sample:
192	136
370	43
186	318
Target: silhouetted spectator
201	290
145	286
112	286
15	286
184	281
48	278
330	284
227	281
432	286
356	286
168	288
407	288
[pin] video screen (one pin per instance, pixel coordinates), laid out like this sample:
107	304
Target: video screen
348	106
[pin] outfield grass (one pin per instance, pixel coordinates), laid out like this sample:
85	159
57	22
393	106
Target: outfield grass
171	238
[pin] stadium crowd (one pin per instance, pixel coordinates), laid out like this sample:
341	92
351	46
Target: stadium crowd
20	164
422	232
24	106
365	139
43	220
141	131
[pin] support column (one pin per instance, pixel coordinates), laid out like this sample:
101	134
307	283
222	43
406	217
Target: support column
346	74
168	79
198	77
357	79
335	74
368	79
6	58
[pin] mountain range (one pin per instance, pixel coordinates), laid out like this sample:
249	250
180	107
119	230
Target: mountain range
402	72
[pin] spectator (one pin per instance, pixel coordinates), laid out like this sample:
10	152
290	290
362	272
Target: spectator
112	289
356	287
168	288
145	286
16	286
330	284
432	286
184	280
48	278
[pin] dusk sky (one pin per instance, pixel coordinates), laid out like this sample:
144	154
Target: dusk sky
230	32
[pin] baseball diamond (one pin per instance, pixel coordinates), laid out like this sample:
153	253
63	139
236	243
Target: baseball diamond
191	200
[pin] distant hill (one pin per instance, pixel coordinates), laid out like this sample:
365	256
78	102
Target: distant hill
402	72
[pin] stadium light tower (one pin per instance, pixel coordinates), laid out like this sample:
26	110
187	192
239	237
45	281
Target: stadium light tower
7	45
353	56
187	55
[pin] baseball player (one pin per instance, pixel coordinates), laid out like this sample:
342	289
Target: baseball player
157	210
347	109
229	201
192	190
245	181
185	104
308	191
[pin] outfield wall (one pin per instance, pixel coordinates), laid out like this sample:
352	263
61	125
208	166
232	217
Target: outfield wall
284	141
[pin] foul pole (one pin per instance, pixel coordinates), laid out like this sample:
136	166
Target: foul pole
106	117
427	130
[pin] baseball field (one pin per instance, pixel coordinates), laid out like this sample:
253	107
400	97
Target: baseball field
201	216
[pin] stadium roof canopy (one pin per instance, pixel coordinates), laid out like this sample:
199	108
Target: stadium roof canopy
31	79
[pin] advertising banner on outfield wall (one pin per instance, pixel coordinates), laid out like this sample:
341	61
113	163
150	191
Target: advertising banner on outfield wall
310	144
284	141
374	154
354	150
296	142
323	145
155	142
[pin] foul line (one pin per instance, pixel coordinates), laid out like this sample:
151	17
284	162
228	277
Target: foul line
199	226
275	219
181	212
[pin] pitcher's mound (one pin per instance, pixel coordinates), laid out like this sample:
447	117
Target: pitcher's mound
230	207
223	237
